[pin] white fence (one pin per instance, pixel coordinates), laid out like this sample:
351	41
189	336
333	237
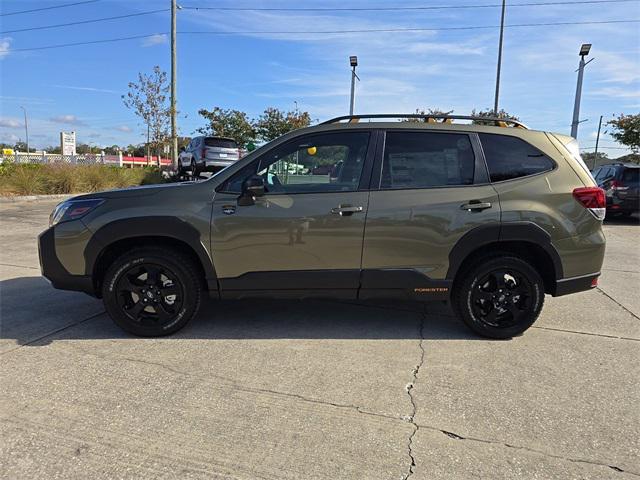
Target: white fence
84	159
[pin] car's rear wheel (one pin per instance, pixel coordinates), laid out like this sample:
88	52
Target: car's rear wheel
195	173
499	296
152	291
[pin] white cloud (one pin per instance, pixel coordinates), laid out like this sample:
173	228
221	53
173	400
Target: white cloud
617	92
10	123
157	39
5	44
86	89
123	128
69	119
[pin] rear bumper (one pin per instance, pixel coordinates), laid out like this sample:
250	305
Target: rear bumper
55	272
627	204
219	163
571	285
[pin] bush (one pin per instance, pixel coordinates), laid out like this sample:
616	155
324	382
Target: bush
32	179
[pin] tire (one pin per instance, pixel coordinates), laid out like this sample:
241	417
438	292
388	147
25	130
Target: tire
195	173
499	296
152	291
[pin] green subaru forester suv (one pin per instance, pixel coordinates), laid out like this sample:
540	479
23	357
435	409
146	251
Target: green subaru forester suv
489	216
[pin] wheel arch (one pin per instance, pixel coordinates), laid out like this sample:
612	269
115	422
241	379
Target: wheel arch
116	238
522	239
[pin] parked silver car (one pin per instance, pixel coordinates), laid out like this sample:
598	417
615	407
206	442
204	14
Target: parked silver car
208	154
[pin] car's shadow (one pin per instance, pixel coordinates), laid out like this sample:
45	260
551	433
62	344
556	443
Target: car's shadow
33	313
620	220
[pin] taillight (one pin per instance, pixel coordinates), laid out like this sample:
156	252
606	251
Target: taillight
617	185
593	199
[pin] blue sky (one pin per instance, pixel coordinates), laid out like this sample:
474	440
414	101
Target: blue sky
79	88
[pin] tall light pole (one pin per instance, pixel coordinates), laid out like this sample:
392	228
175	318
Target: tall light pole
499	68
26	127
353	61
584	51
595	155
174	79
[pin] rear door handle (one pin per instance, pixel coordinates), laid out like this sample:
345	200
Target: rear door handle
346	210
475	205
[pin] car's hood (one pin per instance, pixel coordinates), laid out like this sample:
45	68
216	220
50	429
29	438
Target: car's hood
142	191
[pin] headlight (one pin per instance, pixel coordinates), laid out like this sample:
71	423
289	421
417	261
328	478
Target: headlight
72	210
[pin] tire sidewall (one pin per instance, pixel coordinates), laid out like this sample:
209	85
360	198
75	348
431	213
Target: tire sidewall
471	281
188	284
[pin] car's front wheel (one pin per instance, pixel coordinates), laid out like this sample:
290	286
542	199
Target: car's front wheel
499	296
152	291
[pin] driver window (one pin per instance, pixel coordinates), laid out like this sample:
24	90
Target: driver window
310	164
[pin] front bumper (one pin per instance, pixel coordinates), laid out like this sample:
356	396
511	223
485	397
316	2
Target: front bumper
55	272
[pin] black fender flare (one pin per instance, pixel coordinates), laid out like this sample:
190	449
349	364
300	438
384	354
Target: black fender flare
525	231
152	226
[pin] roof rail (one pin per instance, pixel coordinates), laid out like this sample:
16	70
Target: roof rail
429	118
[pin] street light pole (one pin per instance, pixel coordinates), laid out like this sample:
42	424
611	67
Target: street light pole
174	79
353	61
595	156
499	68
26	127
584	51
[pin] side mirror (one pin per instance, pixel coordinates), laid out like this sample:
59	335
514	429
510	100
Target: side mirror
252	187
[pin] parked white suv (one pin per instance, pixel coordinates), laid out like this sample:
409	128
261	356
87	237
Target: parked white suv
208	154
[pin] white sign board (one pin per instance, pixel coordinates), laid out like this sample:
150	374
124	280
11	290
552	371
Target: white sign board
68	143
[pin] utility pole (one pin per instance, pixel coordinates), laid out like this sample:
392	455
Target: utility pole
595	157
584	51
495	102
26	127
353	61
174	79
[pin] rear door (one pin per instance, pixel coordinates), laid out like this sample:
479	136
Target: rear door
432	189
304	236
629	188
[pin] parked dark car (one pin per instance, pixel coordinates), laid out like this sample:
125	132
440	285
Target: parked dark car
621	183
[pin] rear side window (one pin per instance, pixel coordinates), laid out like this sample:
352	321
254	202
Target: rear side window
631	176
510	157
220	142
427	160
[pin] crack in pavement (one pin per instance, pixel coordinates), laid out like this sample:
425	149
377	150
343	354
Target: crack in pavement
577	332
617	303
409	389
18	266
456	436
243	388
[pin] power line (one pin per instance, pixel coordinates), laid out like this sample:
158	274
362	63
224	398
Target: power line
48	8
274	32
81	22
377	9
392	30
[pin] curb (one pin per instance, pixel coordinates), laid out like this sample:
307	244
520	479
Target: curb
36	198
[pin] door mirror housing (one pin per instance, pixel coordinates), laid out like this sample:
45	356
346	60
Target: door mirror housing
252	188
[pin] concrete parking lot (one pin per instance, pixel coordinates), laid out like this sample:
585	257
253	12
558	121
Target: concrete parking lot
306	390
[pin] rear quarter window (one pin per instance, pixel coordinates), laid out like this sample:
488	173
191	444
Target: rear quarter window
511	157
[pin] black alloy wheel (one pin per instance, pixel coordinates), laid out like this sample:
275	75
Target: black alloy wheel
152	291
499	296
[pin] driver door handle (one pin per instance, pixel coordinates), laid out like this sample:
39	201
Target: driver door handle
346	210
475	205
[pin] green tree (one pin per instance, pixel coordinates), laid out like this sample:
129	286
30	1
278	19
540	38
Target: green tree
52	149
429	111
491	113
274	123
148	98
228	123
626	130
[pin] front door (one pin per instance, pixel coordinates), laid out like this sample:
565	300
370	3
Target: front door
304	236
